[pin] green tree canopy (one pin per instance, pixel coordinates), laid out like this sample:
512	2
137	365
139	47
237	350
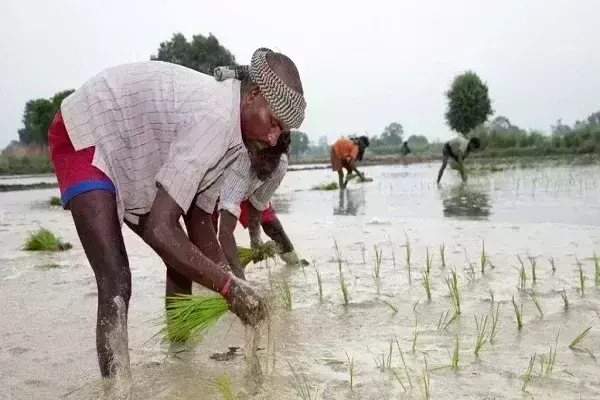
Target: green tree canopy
417	142
38	116
299	142
469	104
202	53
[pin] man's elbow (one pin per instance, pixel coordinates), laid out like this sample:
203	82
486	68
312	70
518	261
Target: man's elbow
154	234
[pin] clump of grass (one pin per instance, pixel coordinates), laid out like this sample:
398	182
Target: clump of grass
376	267
527	376
443	254
428	261
385	362
350	370
455	355
483	259
445	320
596	270
224	384
302	385
190	316
581	278
533	263
426	284
44	240
547	361
522	283
575	342
55	201
494	327
518	313
563	294
424	383
452	283
257	254
285	293
391	305
319	282
415	335
327	186
482	336
536	301
552	265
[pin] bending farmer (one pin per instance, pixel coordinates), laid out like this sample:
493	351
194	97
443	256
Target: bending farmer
458	149
345	153
137	143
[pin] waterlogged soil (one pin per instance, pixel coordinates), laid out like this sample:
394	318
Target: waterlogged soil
47	327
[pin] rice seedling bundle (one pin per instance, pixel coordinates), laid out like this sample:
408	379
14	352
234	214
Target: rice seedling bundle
327	186
44	240
257	254
191	316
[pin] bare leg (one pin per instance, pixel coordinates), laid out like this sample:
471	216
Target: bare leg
442	168
275	231
341	178
97	223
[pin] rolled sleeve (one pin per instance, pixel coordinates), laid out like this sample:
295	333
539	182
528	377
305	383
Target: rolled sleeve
195	151
262	195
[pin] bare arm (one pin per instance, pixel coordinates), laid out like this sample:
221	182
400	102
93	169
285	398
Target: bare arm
254	226
227	225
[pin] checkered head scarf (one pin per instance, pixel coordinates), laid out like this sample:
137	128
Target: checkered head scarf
287	104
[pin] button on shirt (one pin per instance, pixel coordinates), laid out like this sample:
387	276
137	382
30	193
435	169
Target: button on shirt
156	123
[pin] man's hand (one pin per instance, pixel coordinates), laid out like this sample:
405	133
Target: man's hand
246	303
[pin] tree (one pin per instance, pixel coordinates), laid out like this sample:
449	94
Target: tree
299	142
392	135
417	142
469	104
202	53
38	116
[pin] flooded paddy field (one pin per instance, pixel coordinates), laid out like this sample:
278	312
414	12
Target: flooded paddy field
395	334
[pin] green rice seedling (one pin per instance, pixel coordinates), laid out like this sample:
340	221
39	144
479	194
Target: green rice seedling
338	255
415	305
415	336
385	362
518	313
350	370
319	282
552	265
257	254
581	277
443	254
596	270
326	186
55	201
533	263
344	288
426	284
443	319
44	240
575	342
455	355
536	301
428	261
302	385
494	327
224	384
376	267
190	316
527	376
452	283
403	362
482	336
522	283
285	293
393	251
563	294
471	276
397	376
424	383
451	320
391	305
547	361
483	259
407	250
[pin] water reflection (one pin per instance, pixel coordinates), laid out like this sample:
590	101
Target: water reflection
464	201
351	202
282	203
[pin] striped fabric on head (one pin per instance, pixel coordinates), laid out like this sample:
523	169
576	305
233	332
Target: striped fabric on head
287	104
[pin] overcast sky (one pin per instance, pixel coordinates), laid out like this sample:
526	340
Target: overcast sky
362	66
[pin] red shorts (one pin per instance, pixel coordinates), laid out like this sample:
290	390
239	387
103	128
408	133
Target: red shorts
74	169
267	215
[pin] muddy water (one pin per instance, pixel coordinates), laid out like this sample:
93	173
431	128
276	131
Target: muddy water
47	327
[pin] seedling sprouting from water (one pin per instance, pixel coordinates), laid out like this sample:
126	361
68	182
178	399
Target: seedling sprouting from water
224	384
415	336
482	336
407	250
319	283
580	337
483	262
443	254
452	283
445	320
455	355
547	361
495	318
536	301
344	288
285	293
426	284
376	267
551	260
338	255
522	276
527	375
302	385
563	294
428	261
351	371
391	305
424	384
403	362
518	313
470	269
393	251
596	270
581	277
533	263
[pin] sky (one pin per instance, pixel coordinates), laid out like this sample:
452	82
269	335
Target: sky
362	66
